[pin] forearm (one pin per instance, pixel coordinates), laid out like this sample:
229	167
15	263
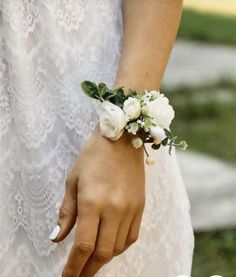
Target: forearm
150	29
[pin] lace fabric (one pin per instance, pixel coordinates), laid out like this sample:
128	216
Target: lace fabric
46	49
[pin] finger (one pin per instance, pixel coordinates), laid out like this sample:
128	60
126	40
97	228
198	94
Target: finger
68	210
104	246
122	234
84	241
133	233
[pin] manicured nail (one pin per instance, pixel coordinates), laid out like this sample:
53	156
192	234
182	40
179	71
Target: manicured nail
55	232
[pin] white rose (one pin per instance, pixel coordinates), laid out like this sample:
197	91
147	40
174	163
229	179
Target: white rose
158	134
132	108
161	111
112	120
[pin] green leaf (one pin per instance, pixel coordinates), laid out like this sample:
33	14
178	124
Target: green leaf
118	100
120	92
102	89
90	89
120	97
132	92
155	146
168	133
164	142
102	86
147	121
109	95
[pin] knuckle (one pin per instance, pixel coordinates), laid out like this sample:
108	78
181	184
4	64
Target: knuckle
118	249
85	247
132	239
103	256
63	211
90	203
118	206
137	205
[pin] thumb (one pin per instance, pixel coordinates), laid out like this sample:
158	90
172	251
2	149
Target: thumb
67	212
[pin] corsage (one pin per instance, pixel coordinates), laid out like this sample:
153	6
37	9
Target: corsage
147	117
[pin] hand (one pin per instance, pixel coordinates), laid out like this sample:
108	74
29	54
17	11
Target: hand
105	192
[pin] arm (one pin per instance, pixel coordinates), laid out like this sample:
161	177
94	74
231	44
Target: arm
150	29
105	190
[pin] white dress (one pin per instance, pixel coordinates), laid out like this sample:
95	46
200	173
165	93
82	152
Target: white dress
47	47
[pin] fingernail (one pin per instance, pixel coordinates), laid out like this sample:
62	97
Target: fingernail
55	232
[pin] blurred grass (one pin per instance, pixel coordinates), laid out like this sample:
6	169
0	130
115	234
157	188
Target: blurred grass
215	253
208	27
206	117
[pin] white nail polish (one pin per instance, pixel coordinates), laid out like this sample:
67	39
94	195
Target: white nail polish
55	232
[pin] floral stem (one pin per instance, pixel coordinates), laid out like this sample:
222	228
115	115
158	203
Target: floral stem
145	150
173	144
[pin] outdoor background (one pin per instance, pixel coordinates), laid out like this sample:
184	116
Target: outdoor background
201	83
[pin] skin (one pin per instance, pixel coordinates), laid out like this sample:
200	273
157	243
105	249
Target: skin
105	189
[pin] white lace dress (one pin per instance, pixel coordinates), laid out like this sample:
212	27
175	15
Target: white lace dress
46	49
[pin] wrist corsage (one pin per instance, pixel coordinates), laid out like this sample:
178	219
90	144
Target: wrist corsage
147	117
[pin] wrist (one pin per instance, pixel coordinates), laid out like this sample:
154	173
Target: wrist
139	84
119	148
124	141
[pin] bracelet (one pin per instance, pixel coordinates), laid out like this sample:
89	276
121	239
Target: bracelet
146	117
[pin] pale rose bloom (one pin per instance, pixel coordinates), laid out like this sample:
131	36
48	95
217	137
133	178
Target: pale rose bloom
132	108
161	111
149	160
158	134
112	120
137	142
